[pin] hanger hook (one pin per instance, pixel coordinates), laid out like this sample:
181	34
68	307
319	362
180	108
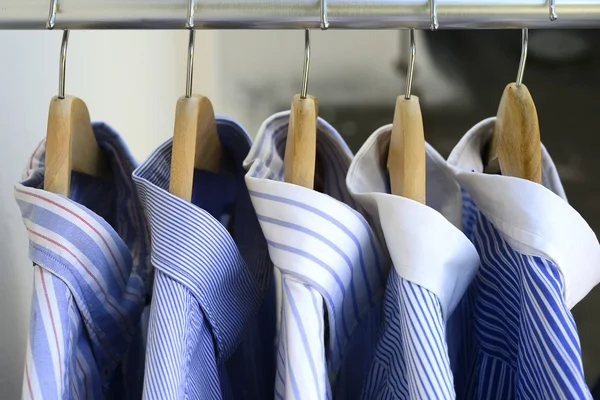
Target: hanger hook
411	64
52	14
433	15
524	40
304	89
63	64
190	17
553	15
190	56
324	19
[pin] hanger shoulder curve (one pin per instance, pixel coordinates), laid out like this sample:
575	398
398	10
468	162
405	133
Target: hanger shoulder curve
196	144
71	145
406	155
516	140
301	145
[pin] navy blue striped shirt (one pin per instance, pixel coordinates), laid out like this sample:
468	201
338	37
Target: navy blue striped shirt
513	335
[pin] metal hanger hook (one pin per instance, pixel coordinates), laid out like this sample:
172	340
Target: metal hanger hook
190	17
190	65
524	41
52	14
324	19
190	56
304	89
433	15
62	69
553	15
411	64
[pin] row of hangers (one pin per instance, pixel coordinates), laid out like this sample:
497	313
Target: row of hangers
515	149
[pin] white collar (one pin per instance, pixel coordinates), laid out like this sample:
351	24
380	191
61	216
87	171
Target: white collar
424	241
535	219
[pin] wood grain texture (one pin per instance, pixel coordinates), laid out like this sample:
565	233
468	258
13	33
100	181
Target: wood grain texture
516	141
71	145
301	145
196	144
406	155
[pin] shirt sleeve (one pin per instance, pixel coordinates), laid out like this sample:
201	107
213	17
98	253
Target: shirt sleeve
59	361
180	357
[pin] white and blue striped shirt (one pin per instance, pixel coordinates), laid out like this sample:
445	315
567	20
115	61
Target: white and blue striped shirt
513	336
332	267
434	263
207	337
91	280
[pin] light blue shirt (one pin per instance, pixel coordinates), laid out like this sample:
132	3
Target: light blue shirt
209	337
92	279
433	265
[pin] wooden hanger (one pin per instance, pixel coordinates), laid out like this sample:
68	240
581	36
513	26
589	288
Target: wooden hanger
301	145
70	141
406	155
196	142
516	145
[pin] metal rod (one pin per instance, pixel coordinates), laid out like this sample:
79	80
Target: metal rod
301	14
306	69
62	68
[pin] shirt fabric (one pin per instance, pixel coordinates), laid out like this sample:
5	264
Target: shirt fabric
331	265
209	337
513	336
91	280
434	263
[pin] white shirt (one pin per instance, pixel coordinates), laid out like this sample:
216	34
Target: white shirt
332	267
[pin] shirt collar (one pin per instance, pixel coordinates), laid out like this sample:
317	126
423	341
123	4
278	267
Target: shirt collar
96	241
535	219
314	236
193	247
424	241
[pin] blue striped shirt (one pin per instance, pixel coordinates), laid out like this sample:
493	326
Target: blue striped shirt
209	337
434	263
513	335
331	265
91	280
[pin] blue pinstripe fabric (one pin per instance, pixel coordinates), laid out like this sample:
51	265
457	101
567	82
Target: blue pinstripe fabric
91	278
523	341
209	337
513	335
332	269
412	359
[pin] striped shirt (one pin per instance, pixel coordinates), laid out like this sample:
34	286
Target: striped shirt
434	263
91	280
209	337
513	335
331	265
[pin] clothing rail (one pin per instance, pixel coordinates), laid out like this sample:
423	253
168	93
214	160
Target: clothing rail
296	14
